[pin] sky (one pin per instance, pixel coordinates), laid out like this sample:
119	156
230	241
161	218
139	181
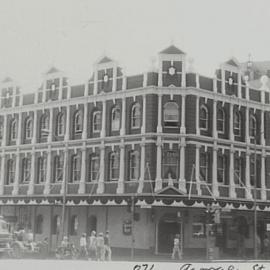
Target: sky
73	34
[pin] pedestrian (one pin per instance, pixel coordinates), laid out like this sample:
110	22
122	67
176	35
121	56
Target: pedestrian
92	246
100	247
83	246
176	247
108	251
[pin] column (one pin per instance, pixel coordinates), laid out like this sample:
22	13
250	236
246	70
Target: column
103	124
14	97
17	175
215	119
159	126
197	169
95	81
123	120
19	135
231	181
48	172
65	172
124	82
83	173
44	90
197	115
197	78
2	174
158	181
247	125
248	185
263	186
231	123
247	91
182	180
142	167
262	129
223	90
183	74
68	92
143	127
239	89
214	172
183	115
85	118
86	89
4	140
215	84
67	123
61	88
160	79
120	187
50	136
34	136
100	188
31	185
114	82
145	79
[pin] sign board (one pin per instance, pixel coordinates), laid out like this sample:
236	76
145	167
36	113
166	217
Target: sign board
127	227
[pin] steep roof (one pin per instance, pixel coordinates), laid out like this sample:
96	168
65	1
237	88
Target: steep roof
105	59
172	50
52	70
232	62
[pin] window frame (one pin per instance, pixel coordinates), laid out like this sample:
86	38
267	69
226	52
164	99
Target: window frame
221	121
205	126
134	166
13	130
114	171
44	125
28	128
60	124
237	123
221	170
115	122
10	171
76	168
252	126
204	167
97	122
58	168
168	165
42	169
78	122
171	123
238	172
94	167
26	170
136	116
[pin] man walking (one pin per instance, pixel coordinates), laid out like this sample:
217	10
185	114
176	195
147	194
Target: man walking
108	251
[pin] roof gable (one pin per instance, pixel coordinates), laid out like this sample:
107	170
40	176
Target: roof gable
170	190
172	50
105	59
232	62
52	70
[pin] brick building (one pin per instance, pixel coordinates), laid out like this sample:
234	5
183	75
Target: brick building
173	140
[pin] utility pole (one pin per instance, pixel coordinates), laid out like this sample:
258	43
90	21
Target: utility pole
255	200
132	226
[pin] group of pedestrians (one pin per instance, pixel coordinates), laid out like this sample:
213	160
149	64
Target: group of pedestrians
97	247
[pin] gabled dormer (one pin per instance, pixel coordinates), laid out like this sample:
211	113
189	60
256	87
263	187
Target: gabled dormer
10	93
107	76
54	86
172	71
229	78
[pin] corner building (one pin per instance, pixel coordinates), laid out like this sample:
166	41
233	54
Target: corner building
174	140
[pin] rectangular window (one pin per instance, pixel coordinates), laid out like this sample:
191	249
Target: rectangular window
238	171
221	168
94	168
170	164
204	166
76	169
26	170
134	165
41	169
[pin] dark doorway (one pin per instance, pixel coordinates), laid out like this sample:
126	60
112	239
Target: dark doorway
167	229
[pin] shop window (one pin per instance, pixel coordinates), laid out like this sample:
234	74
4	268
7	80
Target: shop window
74	225
39	224
198	230
171	114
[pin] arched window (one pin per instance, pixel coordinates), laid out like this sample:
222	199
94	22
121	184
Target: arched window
39	224
134	165
74	225
96	121
26	165
252	126
221	120
114	166
94	167
56	223
58	168
91	224
76	168
60	124
13	129
136	116
115	119
171	114
170	162
237	122
204	166
44	126
28	128
253	169
10	171
1	130
221	169
78	122
204	118
42	162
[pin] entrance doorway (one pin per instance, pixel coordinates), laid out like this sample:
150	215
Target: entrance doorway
167	229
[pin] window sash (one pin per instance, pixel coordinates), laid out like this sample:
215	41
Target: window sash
136	117
221	169
11	172
97	121
41	170
114	167
76	170
94	168
115	119
134	166
204	166
58	169
60	124
203	118
13	130
26	170
238	171
78	122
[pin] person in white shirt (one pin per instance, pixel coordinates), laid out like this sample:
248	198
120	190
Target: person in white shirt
83	246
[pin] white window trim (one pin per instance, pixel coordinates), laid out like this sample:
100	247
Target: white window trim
96	159
134	154
116	156
78	123
60	116
134	107
237	113
223	121
27	123
203	107
115	121
95	113
165	115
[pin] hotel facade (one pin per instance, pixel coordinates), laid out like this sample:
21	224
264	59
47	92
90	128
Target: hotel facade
173	140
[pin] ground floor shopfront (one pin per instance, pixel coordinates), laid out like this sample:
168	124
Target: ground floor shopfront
154	227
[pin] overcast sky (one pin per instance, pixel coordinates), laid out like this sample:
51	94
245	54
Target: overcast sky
72	35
